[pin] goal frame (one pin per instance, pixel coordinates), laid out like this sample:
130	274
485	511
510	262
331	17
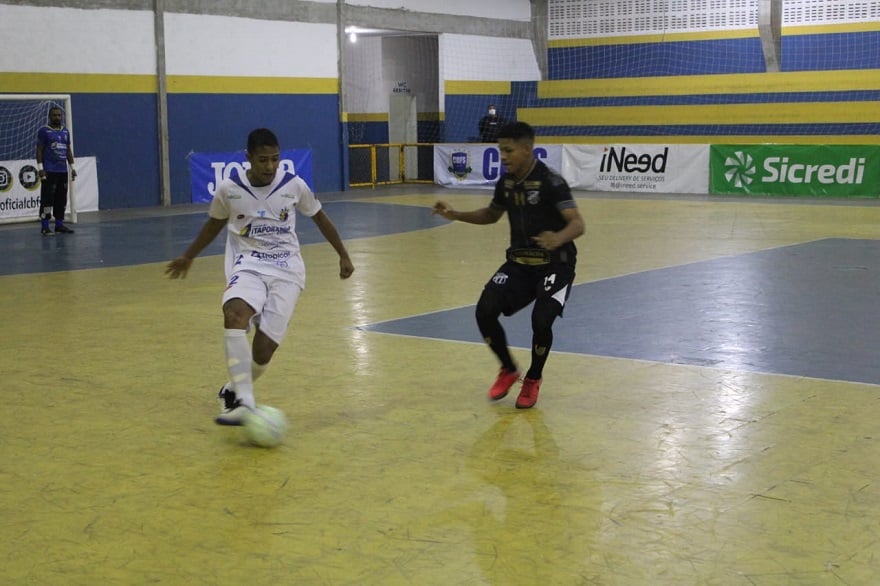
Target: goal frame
65	101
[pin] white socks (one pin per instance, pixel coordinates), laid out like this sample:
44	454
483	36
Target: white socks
238	363
238	379
257	370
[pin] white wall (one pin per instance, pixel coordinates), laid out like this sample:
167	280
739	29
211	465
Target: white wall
374	66
364	80
472	58
503	9
81	41
123	42
412	60
222	45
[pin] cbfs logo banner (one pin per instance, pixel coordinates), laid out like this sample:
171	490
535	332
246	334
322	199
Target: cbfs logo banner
826	170
209	169
472	165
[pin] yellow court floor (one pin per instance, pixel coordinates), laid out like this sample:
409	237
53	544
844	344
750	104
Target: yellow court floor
396	469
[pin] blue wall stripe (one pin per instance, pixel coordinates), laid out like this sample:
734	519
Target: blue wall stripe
656	59
858	50
220	123
121	131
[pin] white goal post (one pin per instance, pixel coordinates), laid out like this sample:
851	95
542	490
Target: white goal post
21	116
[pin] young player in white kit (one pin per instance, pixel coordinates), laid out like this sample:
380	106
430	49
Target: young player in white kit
264	269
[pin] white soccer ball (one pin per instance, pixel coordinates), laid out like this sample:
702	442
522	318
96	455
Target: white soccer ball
265	426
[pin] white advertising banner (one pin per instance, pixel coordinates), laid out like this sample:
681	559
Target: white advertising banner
642	168
20	189
474	165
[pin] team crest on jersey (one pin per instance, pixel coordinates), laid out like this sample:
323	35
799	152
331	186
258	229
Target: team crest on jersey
500	278
459	164
534	196
285	213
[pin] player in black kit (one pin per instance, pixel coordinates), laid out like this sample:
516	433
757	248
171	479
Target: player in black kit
544	221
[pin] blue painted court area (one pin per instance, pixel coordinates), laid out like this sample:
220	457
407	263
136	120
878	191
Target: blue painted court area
160	238
803	310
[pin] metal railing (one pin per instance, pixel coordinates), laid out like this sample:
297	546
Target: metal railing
370	165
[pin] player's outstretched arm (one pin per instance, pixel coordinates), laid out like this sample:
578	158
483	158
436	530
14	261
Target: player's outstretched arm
178	267
328	230
481	216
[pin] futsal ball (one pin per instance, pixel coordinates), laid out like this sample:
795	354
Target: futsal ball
265	426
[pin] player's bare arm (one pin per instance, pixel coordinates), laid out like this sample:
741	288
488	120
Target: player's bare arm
178	267
39	158
574	227
486	215
70	164
328	230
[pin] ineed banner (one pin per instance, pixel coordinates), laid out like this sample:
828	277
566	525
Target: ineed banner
209	169
637	168
833	170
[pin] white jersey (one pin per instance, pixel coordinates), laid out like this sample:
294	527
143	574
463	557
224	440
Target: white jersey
261	224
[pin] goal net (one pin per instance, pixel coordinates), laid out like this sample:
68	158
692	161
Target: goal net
636	71
21	116
710	71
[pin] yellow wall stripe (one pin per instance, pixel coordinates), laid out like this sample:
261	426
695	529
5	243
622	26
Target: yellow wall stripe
818	29
463	87
856	27
209	84
429	116
368	117
715	114
383	116
744	83
71	83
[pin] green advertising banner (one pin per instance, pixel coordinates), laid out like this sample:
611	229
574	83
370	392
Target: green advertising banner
833	170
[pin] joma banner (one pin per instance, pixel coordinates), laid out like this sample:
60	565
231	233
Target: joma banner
209	169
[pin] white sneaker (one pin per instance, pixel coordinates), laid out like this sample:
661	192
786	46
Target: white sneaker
231	409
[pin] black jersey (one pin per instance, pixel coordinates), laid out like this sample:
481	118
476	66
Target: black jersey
533	206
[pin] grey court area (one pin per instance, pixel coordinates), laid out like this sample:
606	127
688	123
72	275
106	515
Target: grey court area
803	310
128	241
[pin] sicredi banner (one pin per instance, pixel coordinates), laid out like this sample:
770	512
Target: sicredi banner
836	170
643	168
471	165
20	189
207	170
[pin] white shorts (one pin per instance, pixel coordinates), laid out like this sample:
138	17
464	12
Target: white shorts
272	298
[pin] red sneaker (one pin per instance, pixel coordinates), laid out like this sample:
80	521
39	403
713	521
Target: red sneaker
528	396
502	385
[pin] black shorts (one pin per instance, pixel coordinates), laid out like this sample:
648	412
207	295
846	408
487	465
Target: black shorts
52	187
518	285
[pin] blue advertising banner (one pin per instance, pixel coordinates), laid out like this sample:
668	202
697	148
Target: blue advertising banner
209	169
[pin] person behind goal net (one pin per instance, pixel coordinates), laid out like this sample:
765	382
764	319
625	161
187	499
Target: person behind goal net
54	156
